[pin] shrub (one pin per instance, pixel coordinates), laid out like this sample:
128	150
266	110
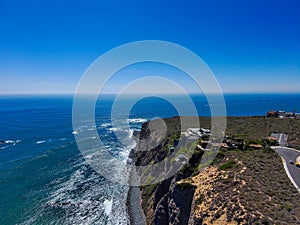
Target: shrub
227	165
184	185
289	208
200	199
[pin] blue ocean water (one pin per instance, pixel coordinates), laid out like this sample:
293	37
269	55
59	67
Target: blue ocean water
43	176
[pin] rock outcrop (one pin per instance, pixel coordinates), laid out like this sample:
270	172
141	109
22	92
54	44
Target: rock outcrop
169	201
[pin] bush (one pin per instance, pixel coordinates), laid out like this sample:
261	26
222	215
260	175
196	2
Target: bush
184	185
289	208
227	165
200	199
219	156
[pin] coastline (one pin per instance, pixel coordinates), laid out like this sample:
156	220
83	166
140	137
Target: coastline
135	212
134	209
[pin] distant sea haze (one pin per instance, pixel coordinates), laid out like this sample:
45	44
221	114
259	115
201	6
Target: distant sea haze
43	177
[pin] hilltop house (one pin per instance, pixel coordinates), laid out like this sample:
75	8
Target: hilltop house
272	114
283	114
195	133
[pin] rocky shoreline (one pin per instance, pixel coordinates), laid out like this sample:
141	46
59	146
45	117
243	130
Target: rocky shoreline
135	211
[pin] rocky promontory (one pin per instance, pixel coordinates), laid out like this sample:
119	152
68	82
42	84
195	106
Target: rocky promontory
240	186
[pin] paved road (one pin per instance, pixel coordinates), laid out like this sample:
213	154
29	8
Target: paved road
290	154
281	138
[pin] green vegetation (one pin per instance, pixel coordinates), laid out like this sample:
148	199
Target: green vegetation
199	200
184	185
148	194
248	127
227	165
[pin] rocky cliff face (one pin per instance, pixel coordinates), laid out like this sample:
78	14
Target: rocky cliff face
169	201
175	206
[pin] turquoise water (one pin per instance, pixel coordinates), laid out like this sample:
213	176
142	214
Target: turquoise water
45	180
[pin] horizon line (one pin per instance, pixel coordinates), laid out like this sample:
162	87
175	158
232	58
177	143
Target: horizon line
139	93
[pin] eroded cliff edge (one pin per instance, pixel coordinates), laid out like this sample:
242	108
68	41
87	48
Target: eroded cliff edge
241	186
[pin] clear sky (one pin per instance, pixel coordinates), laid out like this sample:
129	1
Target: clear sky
251	46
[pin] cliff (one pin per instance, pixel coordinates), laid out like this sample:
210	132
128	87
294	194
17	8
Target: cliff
239	187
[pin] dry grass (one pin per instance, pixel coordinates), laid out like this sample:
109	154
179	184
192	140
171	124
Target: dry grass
255	191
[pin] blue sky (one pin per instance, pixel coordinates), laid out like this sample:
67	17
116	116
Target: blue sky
251	46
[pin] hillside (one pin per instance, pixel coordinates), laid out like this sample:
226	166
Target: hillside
240	187
245	187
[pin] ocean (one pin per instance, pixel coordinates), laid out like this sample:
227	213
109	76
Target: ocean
45	180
